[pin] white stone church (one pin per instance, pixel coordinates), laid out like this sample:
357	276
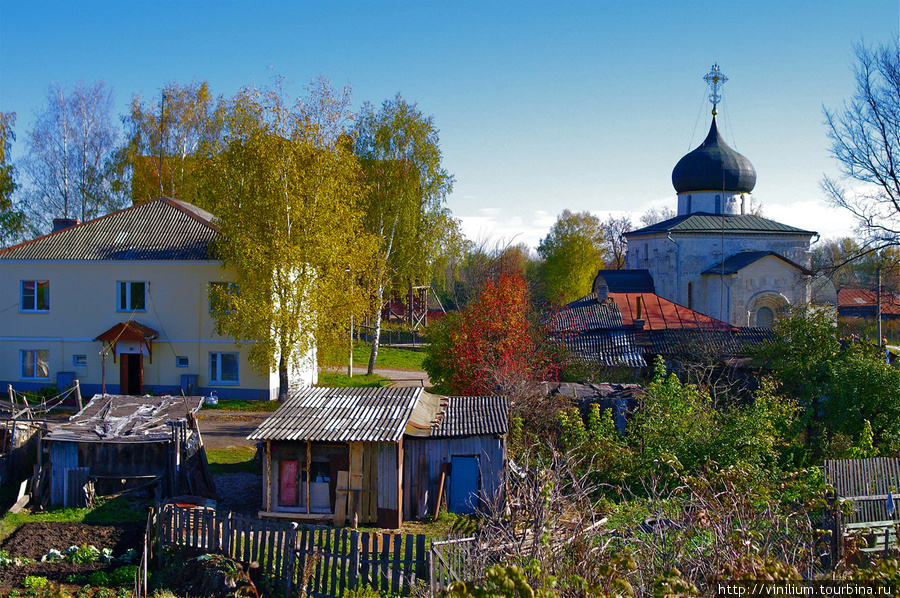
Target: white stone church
714	256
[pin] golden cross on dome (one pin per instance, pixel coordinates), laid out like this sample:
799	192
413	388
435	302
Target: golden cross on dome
715	79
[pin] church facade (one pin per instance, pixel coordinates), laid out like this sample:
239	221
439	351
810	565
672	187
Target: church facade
714	256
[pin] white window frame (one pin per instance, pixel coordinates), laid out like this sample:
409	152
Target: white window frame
127	285
79	361
215	368
34	297
24	362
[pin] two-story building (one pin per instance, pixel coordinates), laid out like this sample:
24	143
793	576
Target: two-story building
123	303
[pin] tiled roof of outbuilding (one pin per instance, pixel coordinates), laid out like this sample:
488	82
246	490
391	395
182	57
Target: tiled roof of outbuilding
703	223
341	415
474	416
161	229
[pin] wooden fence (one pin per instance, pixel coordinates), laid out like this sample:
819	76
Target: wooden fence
311	560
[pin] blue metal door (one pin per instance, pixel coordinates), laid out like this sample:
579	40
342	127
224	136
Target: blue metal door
464	484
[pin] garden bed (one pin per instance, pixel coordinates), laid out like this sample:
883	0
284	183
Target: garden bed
34	540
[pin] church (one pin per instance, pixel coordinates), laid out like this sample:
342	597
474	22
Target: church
714	256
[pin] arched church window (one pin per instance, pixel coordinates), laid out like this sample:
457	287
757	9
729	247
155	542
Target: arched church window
689	204
718	204
690	295
765	318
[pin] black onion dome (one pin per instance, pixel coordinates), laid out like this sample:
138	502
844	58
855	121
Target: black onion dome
714	167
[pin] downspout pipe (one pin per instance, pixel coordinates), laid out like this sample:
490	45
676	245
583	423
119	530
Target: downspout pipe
677	265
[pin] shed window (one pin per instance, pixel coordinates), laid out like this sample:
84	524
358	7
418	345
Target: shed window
35	295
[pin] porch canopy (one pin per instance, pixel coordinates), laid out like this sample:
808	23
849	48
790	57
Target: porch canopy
129	332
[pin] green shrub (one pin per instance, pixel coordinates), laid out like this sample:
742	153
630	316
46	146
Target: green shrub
124	574
34	581
99	578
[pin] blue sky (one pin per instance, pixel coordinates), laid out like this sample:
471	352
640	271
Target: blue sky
542	106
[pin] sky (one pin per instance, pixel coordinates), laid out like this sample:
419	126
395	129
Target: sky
542	105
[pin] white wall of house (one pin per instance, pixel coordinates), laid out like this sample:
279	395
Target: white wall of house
84	303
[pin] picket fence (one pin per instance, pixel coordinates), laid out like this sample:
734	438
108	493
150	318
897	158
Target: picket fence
313	560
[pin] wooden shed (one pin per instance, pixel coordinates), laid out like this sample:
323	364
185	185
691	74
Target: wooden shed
462	458
333	454
121	442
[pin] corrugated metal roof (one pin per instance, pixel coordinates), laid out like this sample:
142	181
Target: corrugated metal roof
697	342
661	314
739	261
701	222
341	415
161	229
474	416
126	418
610	348
586	314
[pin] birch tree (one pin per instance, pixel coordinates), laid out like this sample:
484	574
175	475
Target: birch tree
69	157
399	150
167	135
287	193
11	220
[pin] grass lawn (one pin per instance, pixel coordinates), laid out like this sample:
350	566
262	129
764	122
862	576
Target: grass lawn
391	358
242	405
236	459
338	380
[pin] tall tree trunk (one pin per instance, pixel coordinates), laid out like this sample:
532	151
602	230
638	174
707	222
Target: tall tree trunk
283	381
376	336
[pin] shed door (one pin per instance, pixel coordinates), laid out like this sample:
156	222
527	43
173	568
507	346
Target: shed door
465	481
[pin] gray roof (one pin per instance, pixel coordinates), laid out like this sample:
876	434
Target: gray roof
126	418
474	416
160	229
610	348
704	223
586	313
676	342
739	261
341	415
625	281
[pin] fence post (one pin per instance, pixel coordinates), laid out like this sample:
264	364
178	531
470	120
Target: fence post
290	545
354	560
432	578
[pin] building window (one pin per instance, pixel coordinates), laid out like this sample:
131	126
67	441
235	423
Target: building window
79	360
35	295
690	295
34	364
219	295
223	368
718	204
132	296
181	361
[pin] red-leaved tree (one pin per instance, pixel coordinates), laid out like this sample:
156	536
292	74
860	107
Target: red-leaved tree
496	345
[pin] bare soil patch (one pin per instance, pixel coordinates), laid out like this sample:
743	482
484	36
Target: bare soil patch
221	429
34	540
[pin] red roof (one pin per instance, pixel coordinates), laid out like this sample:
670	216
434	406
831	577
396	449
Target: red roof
866	298
662	314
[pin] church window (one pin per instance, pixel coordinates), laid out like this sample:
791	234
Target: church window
690	295
718	204
765	318
646	253
689	204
